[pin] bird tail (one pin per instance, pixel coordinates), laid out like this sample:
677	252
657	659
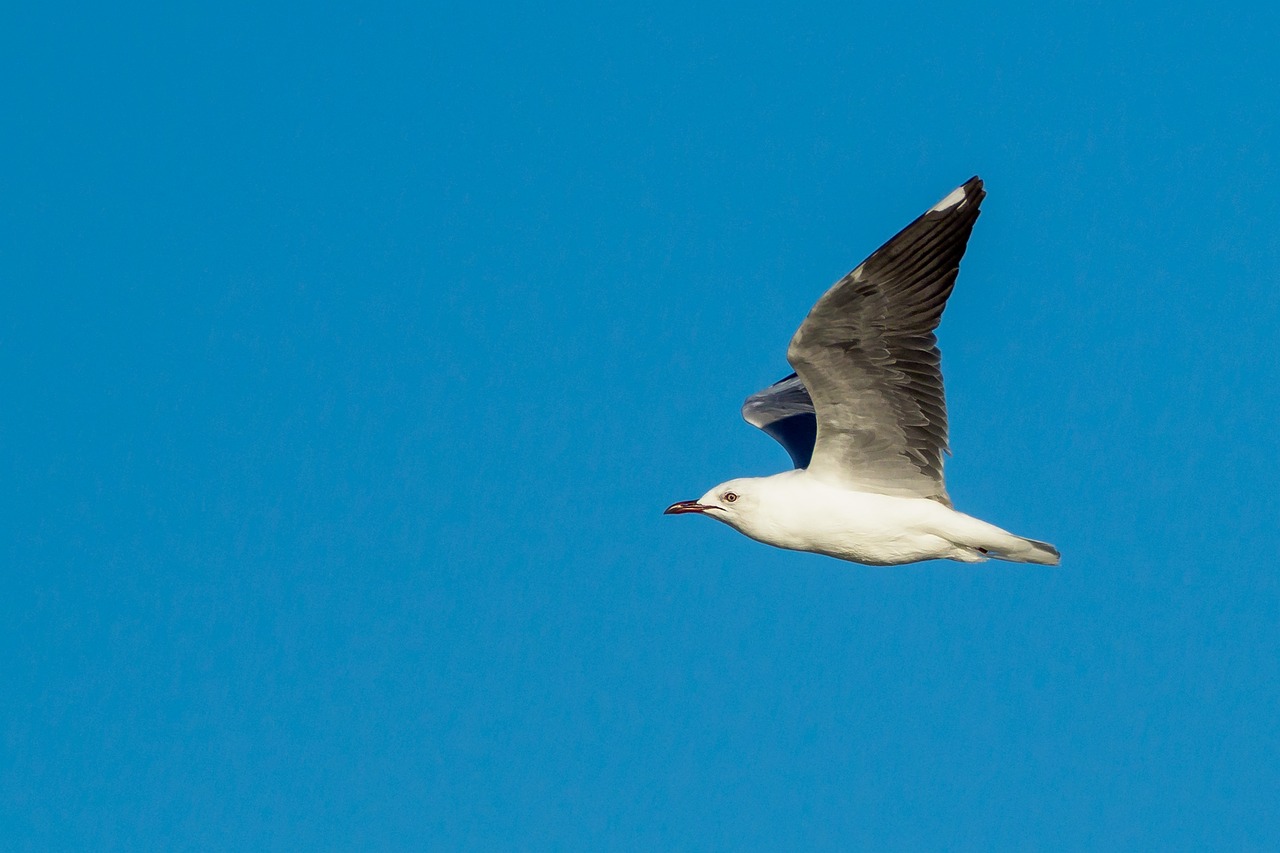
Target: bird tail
1017	549
977	540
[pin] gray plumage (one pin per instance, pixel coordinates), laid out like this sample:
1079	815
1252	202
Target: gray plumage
867	362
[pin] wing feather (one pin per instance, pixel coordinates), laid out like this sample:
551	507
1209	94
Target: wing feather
785	412
868	358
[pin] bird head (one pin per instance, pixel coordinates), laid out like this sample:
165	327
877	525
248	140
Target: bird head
727	502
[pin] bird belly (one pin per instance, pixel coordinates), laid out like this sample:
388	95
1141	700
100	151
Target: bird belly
888	550
876	530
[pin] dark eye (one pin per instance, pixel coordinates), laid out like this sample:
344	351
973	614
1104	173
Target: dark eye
730	497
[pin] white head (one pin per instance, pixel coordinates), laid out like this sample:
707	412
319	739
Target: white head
732	502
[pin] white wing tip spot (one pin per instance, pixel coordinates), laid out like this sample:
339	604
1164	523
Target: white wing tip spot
956	197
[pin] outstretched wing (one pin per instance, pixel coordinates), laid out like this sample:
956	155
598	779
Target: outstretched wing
868	357
785	412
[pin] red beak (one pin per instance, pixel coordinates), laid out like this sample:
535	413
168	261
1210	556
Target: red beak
683	507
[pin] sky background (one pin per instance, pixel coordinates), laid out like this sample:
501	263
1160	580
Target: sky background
352	351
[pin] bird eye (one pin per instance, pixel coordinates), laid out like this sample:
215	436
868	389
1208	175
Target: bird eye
730	497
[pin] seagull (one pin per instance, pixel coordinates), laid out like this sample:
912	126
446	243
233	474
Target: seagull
864	418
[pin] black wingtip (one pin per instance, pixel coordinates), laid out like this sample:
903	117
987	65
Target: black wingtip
964	197
975	189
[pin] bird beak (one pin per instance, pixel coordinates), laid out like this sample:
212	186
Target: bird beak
685	506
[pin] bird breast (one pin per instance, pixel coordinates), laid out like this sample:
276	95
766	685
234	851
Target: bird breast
799	512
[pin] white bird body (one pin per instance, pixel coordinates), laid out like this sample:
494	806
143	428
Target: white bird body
864	417
798	511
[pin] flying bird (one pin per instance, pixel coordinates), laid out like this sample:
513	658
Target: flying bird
864	417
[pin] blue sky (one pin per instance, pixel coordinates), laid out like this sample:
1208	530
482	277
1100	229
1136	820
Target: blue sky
352	352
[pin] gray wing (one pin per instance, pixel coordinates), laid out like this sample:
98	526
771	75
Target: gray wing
869	359
785	412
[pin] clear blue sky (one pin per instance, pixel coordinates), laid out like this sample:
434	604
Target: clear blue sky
352	351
